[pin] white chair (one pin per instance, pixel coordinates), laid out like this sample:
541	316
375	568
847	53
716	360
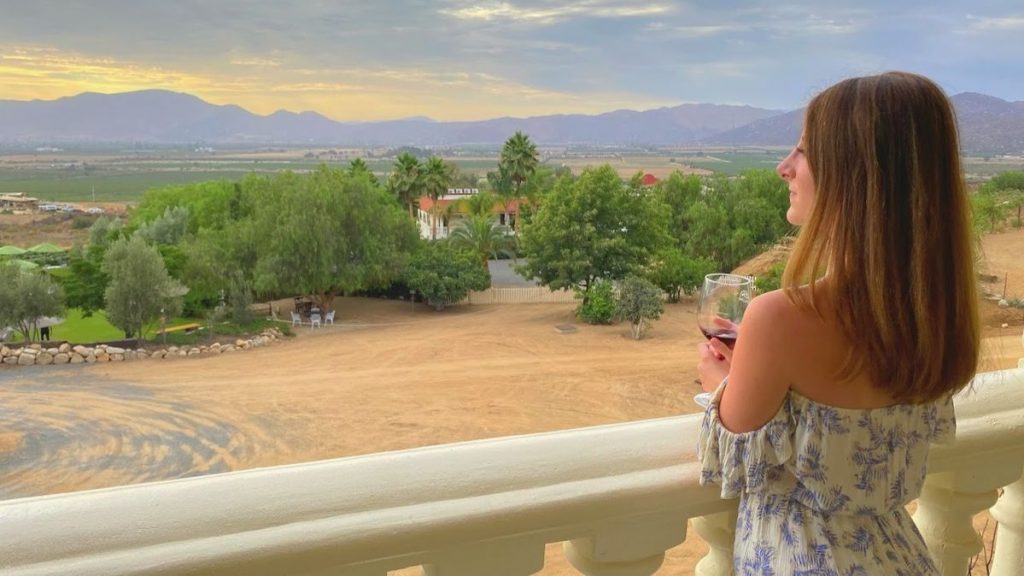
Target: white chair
329	319
296	319
314	321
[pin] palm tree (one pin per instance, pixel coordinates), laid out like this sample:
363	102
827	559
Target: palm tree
437	178
406	180
359	167
479	204
518	162
481	235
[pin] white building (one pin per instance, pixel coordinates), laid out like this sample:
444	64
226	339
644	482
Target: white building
451	208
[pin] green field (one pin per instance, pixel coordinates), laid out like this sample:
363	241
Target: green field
115	177
108	187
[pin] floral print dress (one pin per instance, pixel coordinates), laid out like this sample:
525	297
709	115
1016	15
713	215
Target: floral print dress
822	489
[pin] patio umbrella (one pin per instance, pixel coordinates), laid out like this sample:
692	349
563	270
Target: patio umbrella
11	251
46	248
25	264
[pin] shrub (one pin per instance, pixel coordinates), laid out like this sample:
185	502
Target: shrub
599	305
639	302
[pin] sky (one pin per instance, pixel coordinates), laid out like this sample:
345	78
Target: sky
477	59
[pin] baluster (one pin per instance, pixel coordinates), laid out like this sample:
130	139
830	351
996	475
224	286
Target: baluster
719	531
1008	559
507	557
950	500
629	548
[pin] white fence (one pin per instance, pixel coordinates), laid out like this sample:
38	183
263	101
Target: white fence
531	295
618	496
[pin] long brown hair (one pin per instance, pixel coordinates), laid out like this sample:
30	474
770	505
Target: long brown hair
890	231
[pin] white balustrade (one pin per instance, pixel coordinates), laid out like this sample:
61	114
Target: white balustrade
619	496
1008	557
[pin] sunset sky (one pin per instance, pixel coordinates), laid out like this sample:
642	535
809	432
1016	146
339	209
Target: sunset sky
467	60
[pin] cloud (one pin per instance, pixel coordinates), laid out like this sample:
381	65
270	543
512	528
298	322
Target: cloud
553	14
703	31
980	24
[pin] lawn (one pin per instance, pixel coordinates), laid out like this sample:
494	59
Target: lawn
78	329
96	328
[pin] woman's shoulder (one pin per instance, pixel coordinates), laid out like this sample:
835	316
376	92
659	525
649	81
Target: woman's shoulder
775	308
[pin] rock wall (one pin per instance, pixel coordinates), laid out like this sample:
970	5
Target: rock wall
37	355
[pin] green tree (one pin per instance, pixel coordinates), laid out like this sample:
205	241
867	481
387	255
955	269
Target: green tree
139	286
639	303
480	235
359	169
86	283
436	180
328	233
169	229
444	274
988	213
25	297
519	159
675	272
590	229
406	181
209	204
104	231
479	204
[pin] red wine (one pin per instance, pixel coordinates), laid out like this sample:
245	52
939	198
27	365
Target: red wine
728	337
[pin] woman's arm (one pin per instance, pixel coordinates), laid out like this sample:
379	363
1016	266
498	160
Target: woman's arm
758	367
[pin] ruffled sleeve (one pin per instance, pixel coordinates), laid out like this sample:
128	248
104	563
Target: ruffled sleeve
941	419
745	461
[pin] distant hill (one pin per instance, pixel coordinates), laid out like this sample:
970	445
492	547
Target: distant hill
988	125
169	117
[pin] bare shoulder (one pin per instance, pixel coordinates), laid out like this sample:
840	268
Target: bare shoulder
771	314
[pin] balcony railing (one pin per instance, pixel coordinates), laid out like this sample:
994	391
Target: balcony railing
618	496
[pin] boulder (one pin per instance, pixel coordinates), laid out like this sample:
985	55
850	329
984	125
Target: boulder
64	348
26	360
11	360
117	357
114	350
61	358
102	356
90	358
76	358
44	358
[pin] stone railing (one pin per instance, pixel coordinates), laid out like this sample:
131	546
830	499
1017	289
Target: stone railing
38	355
618	496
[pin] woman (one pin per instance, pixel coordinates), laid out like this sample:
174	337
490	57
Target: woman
839	381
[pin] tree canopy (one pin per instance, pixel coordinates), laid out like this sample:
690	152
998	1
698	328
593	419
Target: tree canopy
139	287
589	229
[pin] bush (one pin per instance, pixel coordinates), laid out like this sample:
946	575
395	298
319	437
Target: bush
772	280
639	302
599	305
81	222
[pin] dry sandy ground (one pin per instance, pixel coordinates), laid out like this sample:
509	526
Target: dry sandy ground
387	377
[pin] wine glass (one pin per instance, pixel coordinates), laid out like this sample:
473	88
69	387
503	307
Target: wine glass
723	300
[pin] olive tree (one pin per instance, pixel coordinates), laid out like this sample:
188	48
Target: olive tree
140	287
639	302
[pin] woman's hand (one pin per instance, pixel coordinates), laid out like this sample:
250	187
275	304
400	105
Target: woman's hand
715	361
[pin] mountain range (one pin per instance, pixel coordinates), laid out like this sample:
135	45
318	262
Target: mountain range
988	125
